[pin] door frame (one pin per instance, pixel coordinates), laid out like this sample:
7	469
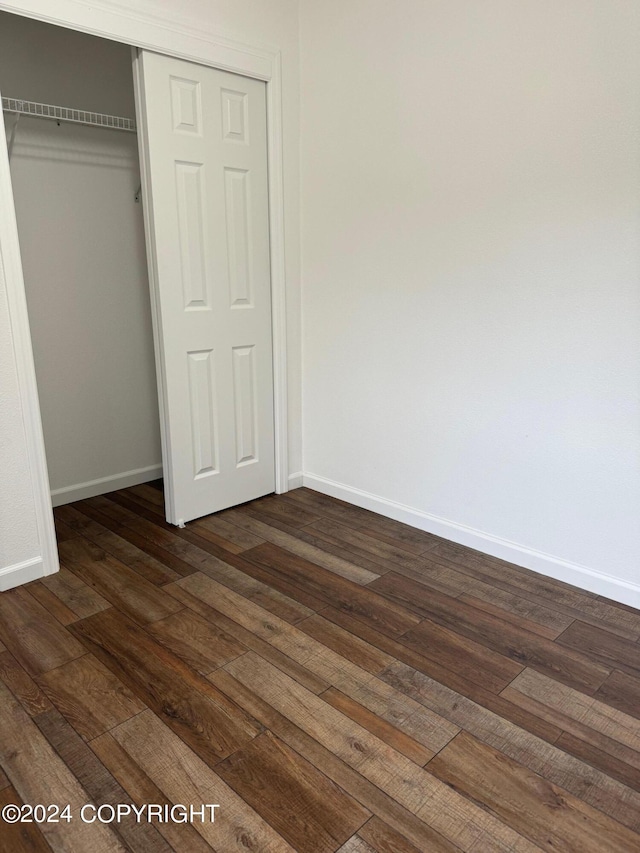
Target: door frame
144	30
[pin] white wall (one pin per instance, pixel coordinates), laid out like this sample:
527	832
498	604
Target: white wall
83	256
470	257
274	24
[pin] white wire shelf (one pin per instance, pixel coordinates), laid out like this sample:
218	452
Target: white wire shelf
31	108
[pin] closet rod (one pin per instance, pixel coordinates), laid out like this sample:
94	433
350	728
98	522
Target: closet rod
31	108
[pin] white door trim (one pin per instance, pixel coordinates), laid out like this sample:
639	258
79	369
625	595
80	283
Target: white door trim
139	28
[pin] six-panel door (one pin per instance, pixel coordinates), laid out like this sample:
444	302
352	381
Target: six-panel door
205	162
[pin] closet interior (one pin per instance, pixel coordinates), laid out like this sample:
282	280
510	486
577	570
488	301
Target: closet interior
69	113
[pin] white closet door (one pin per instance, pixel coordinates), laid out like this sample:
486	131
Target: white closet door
203	147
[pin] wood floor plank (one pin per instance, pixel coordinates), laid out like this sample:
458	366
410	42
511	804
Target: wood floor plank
356	845
188	703
205	532
106	508
329	507
203	646
601	759
251	641
51	603
119	584
232	571
77	521
242	539
75	594
574	602
323	552
141	791
485	698
371	797
134	496
529	649
102	788
32	635
592	785
303	545
546	814
291	513
63	531
510	615
149	494
20	837
384	839
612	734
146	565
271	777
622	691
154	552
603	646
333	590
184	778
455	817
378	726
345	643
508	605
91	698
23	687
469	659
392	706
388	556
362	651
572	704
39	775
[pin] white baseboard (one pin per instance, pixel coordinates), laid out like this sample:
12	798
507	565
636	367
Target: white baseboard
295	480
19	573
545	564
105	484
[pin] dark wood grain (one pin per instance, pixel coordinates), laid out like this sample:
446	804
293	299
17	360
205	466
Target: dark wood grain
603	646
246	638
182	698
384	839
202	645
34	637
91	698
336	591
371	797
40	775
23	687
52	604
485	698
20	837
336	680
622	691
539	810
469	659
75	595
115	581
522	646
271	777
378	726
101	787
142	790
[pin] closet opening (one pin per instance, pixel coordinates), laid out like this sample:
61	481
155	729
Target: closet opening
76	180
159	382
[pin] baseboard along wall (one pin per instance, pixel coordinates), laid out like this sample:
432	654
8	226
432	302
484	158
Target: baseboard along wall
537	561
105	484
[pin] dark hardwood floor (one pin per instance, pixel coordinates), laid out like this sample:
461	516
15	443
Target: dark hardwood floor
332	679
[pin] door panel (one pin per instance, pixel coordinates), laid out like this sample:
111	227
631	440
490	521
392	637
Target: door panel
203	145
